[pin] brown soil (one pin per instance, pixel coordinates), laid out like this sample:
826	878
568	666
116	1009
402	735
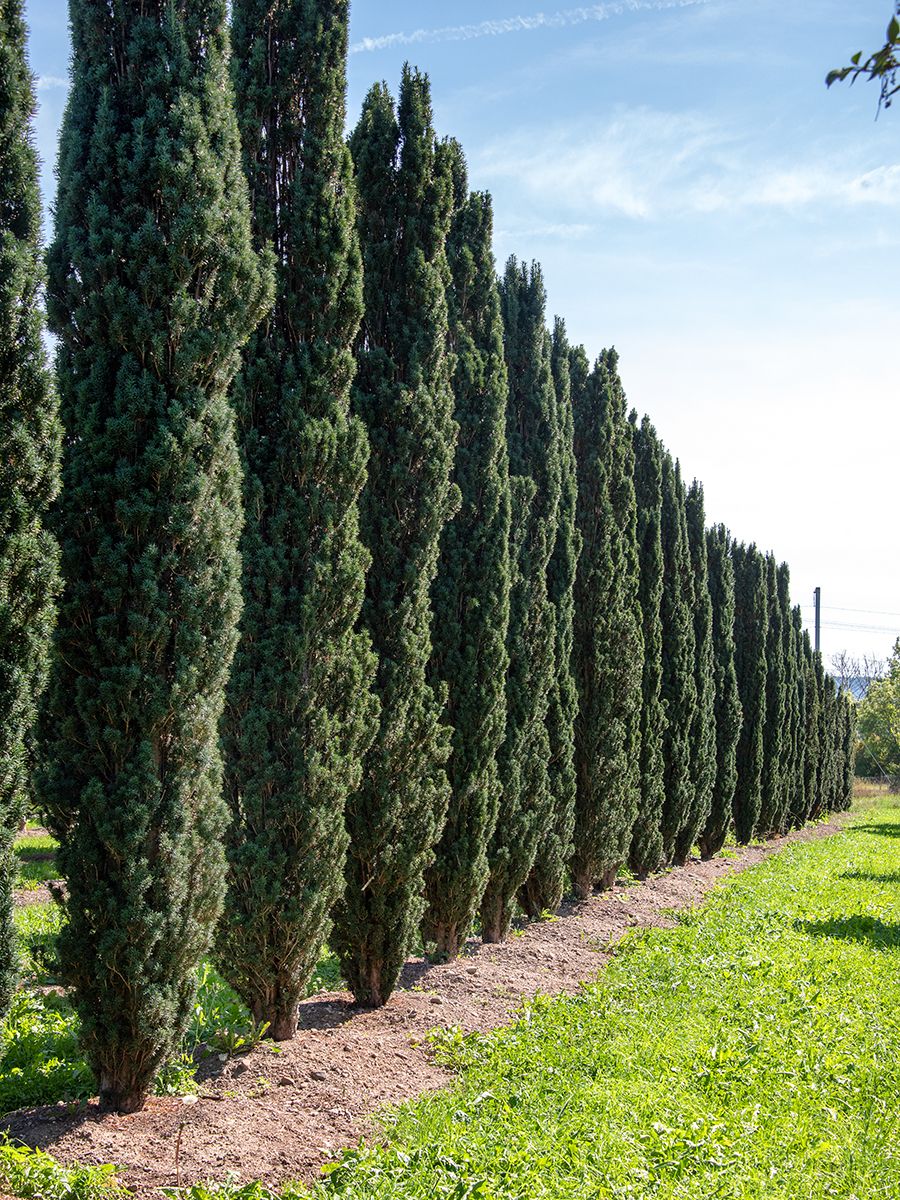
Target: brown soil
38	895
280	1114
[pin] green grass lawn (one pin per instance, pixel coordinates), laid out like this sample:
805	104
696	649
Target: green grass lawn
750	1053
753	1051
36	855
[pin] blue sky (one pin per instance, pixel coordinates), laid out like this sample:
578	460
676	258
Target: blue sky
697	198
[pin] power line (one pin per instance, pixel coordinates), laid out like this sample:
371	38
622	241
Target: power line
861	628
869	612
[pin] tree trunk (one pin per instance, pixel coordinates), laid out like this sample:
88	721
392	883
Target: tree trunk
607	880
122	1096
448	943
495	921
582	884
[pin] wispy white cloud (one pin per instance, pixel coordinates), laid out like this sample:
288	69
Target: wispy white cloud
50	83
644	164
553	230
561	19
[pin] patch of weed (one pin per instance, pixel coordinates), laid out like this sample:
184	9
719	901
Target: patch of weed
33	1175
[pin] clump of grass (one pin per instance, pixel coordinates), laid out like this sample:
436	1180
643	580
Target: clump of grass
36	856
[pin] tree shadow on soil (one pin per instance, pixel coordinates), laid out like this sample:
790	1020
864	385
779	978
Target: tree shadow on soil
866	930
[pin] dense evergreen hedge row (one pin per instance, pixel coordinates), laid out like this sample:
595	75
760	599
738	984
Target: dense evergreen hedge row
485	649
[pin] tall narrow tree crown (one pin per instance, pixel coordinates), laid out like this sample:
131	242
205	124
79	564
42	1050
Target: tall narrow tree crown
471	591
727	701
646	851
679	686
544	887
609	641
300	714
153	289
29	463
404	396
532	431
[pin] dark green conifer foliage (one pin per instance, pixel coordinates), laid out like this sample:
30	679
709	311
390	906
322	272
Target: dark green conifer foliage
646	842
848	758
679	686
828	765
404	396
797	798
776	710
609	642
750	634
29	462
532	432
812	667
789	750
703	725
471	592
727	702
544	887
300	715
836	800
153	289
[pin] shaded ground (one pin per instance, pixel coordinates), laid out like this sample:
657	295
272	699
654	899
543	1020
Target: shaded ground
279	1115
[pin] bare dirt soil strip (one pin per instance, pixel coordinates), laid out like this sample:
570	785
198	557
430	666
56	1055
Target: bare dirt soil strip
29	896
279	1116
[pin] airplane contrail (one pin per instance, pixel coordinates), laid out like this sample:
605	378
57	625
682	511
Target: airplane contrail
522	24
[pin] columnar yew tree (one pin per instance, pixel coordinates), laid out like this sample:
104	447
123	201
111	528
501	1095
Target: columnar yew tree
679	687
848	760
471	592
646	841
812	668
403	394
797	799
609	643
299	715
153	289
774	739
750	632
703	726
544	887
532	431
727	702
789	750
825	783
29	461
836	801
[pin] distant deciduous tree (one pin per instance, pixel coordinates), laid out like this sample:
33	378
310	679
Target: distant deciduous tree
879	721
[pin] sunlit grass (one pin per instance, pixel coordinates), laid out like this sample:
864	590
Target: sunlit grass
751	1052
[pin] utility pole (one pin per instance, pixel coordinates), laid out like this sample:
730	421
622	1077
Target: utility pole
818	596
